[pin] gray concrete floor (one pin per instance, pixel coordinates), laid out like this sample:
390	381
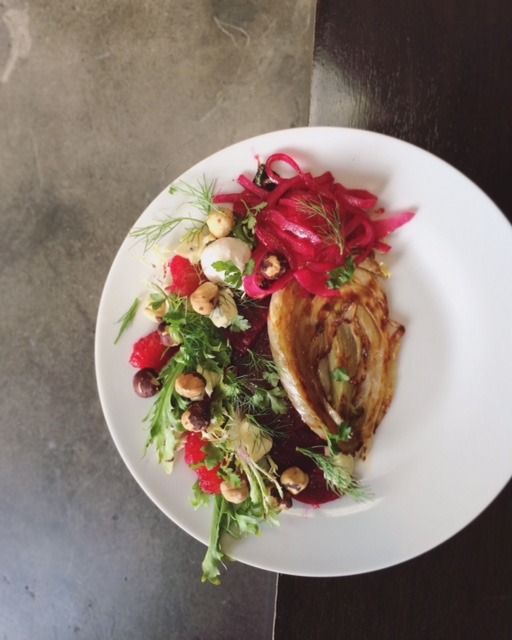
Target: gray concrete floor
101	105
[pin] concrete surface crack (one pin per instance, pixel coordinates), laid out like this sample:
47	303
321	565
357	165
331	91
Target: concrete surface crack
225	27
16	21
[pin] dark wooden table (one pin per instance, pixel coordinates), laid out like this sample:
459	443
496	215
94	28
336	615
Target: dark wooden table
437	74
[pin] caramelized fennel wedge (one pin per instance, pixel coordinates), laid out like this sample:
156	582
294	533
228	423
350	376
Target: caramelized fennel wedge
312	336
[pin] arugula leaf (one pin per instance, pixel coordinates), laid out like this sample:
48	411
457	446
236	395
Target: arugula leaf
215	557
127	319
236	520
199	497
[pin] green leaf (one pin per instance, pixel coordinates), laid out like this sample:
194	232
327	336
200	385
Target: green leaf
342	275
239	324
215	557
333	439
199	497
340	375
214	456
249	268
232	274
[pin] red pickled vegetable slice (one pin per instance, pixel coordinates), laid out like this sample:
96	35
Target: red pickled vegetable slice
313	222
385	226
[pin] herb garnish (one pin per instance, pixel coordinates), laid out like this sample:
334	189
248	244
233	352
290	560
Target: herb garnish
200	197
244	228
330	223
342	275
343	435
340	375
127	319
337	477
233	276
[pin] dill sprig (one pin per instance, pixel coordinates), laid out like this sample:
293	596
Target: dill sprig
337	477
153	233
334	231
200	196
255	387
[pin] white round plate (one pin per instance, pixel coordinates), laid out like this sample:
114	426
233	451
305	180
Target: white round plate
442	453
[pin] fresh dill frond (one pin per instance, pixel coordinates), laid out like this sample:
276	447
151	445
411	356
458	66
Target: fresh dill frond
152	234
199	197
333	233
255	392
337	477
126	320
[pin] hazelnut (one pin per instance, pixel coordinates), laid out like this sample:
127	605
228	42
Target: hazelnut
272	267
190	385
146	383
233	494
220	222
204	298
277	501
294	479
197	416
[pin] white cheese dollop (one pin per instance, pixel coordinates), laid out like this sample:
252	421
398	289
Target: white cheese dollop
225	250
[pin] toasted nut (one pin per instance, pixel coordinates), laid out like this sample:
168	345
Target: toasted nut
220	222
146	383
204	298
236	495
197	416
283	502
295	480
190	385
272	267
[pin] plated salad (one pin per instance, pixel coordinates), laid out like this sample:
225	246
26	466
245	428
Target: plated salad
273	357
